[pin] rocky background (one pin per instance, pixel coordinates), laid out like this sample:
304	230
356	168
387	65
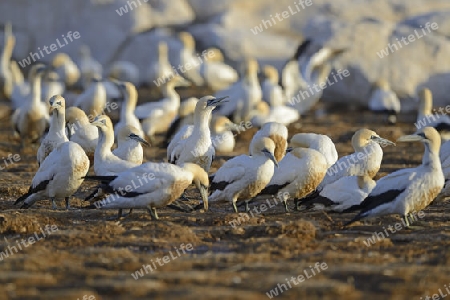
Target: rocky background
364	27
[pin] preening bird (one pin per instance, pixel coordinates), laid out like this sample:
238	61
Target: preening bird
244	176
56	134
152	186
319	142
195	147
409	190
59	176
278	133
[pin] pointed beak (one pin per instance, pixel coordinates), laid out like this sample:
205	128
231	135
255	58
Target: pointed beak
410	138
270	156
383	142
217	101
289	149
139	139
204	194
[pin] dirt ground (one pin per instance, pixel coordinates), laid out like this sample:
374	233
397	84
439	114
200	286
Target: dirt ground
92	257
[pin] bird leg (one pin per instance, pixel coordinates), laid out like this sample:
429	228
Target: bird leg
53	203
67	203
152	212
286	208
297	204
247	208
234	206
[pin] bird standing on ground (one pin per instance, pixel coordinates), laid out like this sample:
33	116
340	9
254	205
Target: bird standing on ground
216	74
93	100
197	147
384	100
409	190
56	134
127	116
243	177
31	119
59	176
154	185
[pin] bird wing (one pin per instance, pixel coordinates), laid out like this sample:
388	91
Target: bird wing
177	144
231	171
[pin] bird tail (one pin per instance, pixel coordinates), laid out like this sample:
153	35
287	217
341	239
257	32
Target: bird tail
356	218
352	208
103	179
23	197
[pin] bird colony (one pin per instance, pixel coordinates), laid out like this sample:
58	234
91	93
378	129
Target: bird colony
78	138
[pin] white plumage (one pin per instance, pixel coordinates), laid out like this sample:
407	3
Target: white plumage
93	100
66	68
124	71
59	176
221	135
243	177
89	67
129	146
216	74
195	147
51	86
188	57
278	133
408	190
161	69
319	142
57	134
81	131
127	116
152	186
384	100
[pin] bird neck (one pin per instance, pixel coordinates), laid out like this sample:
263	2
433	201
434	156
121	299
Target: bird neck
105	142
128	107
170	93
58	121
201	122
431	157
7	50
36	89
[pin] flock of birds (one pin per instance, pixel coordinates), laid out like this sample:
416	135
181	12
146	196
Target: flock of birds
75	133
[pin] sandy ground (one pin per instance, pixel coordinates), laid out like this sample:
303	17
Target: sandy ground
199	255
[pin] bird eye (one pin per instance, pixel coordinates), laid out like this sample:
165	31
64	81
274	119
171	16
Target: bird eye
59	103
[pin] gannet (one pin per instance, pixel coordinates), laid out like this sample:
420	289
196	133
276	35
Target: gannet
278	133
129	146
384	100
243	177
366	159
124	71
197	147
216	74
298	174
319	142
409	190
291	78
105	162
425	117
81	131
245	94
6	75
342	194
127	116
185	116
188	57
56	134
59	176
153	185
51	85
65	67
157	116
31	119
93	100
161	69
89	67
221	135
272	93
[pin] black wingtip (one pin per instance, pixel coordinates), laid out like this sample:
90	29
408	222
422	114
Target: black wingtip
92	206
25	206
103	179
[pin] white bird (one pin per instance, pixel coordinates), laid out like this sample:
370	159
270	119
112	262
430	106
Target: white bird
243	177
31	119
291	78
319	142
66	68
384	100
157	116
59	176
129	146
263	113
221	135
278	133
56	134
298	174
152	186
196	147
93	100
216	74
127	116
105	162
409	190
6	75
161	69
366	160
246	94
185	116
51	85
89	67
342	194
425	117
81	131
188	57
272	93
124	71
